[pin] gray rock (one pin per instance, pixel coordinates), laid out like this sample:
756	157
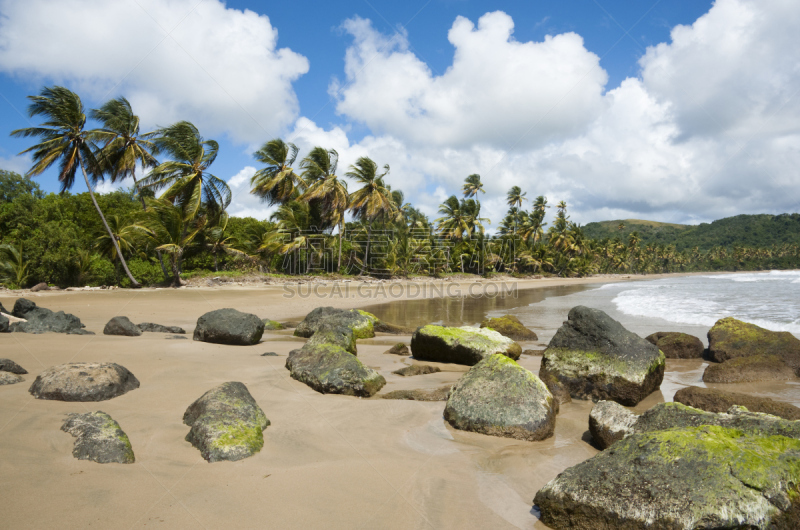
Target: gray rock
40	287
330	369
226	423
269	354
7	365
417	369
98	438
229	326
465	345
610	422
83	382
331	333
4	310
176	337
556	387
698	477
399	349
121	326
158	328
500	398
596	358
7	378
42	320
360	322
677	345
439	394
4	324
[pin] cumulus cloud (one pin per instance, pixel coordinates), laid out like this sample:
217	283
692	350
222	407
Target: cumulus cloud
243	203
173	60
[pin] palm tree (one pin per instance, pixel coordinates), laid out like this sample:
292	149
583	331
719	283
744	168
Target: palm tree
373	200
326	188
186	176
123	234
14	268
515	197
472	185
277	183
65	140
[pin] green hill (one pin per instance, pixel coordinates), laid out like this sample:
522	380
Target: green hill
761	230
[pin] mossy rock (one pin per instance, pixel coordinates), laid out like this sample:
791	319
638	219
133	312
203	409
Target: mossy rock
596	358
439	394
332	333
510	326
399	349
677	345
330	369
749	369
360	322
732	339
272	325
498	397
712	400
465	345
226	423
556	387
698	477
98	438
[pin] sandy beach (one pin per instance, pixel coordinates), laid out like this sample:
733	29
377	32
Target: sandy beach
328	461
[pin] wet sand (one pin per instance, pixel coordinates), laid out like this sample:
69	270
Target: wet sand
328	461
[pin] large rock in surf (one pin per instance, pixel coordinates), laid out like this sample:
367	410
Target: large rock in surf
595	357
42	320
465	345
731	339
226	423
500	398
330	369
509	326
149	327
98	438
7	365
712	400
229	326
83	382
698	477
361	323
748	369
606	418
121	326
677	345
7	378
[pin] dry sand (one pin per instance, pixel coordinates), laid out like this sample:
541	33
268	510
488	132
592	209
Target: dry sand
328	461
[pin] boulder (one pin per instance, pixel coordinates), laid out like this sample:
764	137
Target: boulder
498	397
121	326
7	378
271	325
4	324
610	422
330	333
229	326
556	387
509	326
677	345
7	365
748	369
698	477
330	369
731	339
439	394
712	400
465	345
596	358
83	382
360	322
40	287
666	416
417	369
149	327
41	320
226	423
399	349
98	438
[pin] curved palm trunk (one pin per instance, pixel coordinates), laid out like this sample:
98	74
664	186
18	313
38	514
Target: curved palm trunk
366	254
341	233
144	207
134	283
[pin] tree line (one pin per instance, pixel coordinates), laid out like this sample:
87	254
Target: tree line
173	222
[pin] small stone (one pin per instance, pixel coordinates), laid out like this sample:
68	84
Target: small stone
121	326
271	325
98	438
399	349
269	354
7	378
7	365
158	328
176	337
417	369
440	394
40	287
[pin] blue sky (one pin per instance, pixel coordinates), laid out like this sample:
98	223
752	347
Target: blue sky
680	111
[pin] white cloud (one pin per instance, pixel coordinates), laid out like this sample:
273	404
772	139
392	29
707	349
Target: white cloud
243	203
212	65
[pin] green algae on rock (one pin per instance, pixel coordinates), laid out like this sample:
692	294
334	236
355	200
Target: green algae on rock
498	397
439	394
330	369
226	423
272	325
698	477
730	338
360	322
334	333
748	369
465	345
595	357
98	438
677	345
399	349
713	400
509	326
